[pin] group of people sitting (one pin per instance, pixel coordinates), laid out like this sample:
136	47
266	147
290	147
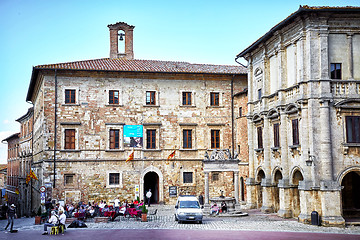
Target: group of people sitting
215	209
56	219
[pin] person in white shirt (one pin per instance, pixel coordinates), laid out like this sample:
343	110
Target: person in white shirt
54	220
62	217
148	196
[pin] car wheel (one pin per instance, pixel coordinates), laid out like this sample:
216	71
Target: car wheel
179	221
200	222
176	218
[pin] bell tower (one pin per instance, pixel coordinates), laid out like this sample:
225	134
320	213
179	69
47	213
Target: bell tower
115	37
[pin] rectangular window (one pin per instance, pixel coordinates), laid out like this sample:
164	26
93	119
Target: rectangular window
114	138
187	139
114	178
276	135
259	94
68	179
214	176
295	131
335	69
113	97
186	98
151	139
214	99
215	139
70	96
188	177
240	111
259	137
150	98
69	138
352	129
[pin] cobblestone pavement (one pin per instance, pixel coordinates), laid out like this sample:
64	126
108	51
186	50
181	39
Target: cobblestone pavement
164	219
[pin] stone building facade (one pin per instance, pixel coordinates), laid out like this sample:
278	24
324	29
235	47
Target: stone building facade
25	160
303	119
85	113
13	169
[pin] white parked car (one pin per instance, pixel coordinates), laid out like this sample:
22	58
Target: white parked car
188	208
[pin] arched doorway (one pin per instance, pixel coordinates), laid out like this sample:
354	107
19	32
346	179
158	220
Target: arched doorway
151	181
297	177
259	178
350	194
276	192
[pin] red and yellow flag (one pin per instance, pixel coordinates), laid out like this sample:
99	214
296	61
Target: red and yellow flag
131	157
172	155
17	191
28	179
32	175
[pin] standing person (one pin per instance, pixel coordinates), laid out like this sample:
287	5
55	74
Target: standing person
201	200
52	222
11	214
116	204
148	196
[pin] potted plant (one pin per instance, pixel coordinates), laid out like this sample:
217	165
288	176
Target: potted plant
38	217
144	212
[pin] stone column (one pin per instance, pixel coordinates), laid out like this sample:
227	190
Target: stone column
250	181
324	54
330	206
325	142
350	54
285	195
207	200
236	182
267	183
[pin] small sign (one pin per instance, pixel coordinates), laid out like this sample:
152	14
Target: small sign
137	192
42	189
173	191
42	197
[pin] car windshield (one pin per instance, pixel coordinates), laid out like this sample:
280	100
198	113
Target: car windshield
189	204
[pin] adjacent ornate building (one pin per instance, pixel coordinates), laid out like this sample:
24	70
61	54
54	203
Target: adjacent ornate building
90	116
304	116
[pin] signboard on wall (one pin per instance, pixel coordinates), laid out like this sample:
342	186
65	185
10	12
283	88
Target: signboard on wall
137	191
133	136
172	191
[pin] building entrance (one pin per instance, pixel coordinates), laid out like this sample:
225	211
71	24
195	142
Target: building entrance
151	181
351	194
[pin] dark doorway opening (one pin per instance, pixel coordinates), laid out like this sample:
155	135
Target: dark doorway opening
151	181
351	195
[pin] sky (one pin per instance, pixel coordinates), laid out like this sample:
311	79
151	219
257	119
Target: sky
40	32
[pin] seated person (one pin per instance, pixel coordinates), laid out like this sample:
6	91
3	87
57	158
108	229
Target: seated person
223	206
215	209
91	211
53	221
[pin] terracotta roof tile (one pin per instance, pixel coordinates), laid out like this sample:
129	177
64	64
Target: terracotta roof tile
107	64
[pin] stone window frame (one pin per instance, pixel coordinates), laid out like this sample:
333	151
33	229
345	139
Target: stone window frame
215	126
193	102
77	96
220	99
70	185
192	127
157	98
108	97
108	185
66	126
182	171
115	126
151	126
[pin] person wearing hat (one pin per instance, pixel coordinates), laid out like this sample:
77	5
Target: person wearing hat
11	214
54	220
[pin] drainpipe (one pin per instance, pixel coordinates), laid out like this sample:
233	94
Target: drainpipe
232	116
55	130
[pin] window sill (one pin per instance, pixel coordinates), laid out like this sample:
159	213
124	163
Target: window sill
70	150
70	104
187	106
275	149
114	105
114	150
294	147
215	107
258	150
114	186
187	149
151	105
346	147
152	150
